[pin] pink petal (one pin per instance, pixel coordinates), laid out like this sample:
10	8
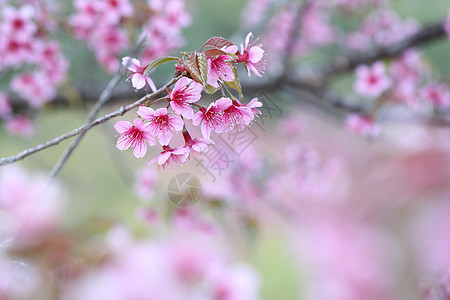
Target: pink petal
181	84
140	149
131	64
161	112
163	157
206	130
123	143
151	83
139	124
164	137
146	112
185	110
197	119
138	81
247	39
176	122
223	103
255	54
122	126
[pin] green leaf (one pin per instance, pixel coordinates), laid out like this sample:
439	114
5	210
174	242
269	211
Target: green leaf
218	42
158	62
210	89
235	85
197	64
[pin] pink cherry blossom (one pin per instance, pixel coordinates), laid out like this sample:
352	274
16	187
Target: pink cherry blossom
220	69
238	282
254	12
212	118
169	156
114	10
252	56
16	50
409	67
436	94
136	73
362	125
33	87
32	213
145	183
185	91
195	146
20	125
161	123
172	13
318	30
134	136
18	21
240	115
371	81
163	30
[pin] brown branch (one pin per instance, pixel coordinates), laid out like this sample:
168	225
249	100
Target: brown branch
349	61
86	127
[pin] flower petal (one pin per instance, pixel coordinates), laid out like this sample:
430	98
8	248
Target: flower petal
122	126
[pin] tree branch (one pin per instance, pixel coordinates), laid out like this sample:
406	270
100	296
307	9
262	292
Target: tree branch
349	61
104	97
86	127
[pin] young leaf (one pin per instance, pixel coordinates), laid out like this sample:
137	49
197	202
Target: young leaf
214	52
218	42
235	85
197	64
158	62
210	89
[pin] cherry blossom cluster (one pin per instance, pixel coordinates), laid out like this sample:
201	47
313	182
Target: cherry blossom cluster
100	24
343	220
103	25
31	58
163	29
380	27
407	81
28	215
210	70
185	265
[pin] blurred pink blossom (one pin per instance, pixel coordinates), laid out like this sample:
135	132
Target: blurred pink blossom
371	81
436	94
28	214
145	183
362	125
20	125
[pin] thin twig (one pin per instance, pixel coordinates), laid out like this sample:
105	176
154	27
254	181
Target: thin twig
120	112
104	97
